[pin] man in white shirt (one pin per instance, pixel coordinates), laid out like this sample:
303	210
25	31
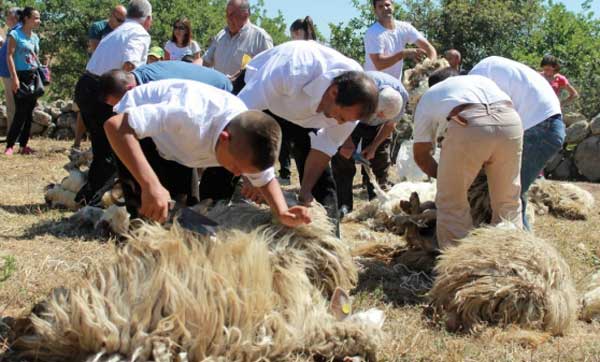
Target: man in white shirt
485	131
386	40
539	109
124	48
238	38
186	124
317	95
373	135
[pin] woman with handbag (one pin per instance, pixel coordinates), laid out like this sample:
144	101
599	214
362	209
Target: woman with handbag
23	65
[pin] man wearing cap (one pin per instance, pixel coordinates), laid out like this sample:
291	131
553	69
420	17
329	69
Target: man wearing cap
124	48
374	137
156	54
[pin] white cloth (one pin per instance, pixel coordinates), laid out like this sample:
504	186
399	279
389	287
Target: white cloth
380	40
184	119
226	52
437	103
290	80
531	94
176	53
127	43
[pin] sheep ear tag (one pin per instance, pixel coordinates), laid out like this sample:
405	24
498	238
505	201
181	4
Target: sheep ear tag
340	306
192	220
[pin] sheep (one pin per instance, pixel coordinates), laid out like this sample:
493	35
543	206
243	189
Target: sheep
172	295
416	79
75	181
590	298
57	196
78	159
504	276
564	200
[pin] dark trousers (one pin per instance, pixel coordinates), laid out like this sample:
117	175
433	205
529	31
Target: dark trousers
285	160
324	190
174	177
94	113
344	169
217	184
21	125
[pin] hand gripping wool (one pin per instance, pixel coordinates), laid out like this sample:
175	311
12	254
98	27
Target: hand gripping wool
503	276
174	296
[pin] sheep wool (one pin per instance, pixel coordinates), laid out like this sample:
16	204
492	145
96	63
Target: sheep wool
57	196
562	199
75	181
503	276
174	296
590	298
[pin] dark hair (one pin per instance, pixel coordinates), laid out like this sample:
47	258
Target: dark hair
375	2
552	61
188	31
354	88
113	83
188	58
257	135
25	13
307	26
441	75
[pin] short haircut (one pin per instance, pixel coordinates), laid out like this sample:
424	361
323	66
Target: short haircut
552	61
139	9
441	75
356	88
241	4
305	25
375	2
27	12
390	103
114	83
257	135
187	39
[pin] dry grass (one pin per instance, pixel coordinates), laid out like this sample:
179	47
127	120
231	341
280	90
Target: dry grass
50	253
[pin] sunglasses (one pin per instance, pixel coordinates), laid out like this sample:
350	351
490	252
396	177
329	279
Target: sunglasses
179	27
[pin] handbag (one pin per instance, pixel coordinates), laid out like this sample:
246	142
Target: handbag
44	74
30	85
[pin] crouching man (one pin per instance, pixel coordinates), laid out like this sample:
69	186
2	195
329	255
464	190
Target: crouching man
374	137
484	130
164	129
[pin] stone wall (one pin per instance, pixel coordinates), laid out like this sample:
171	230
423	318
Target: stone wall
54	119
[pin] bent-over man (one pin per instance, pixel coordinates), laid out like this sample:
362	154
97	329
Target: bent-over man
485	131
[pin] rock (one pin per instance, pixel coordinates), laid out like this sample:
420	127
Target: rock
37	129
75	107
587	158
553	163
67	120
58	104
577	132
573	117
595	125
68	107
41	118
55	112
565	170
49	131
3	113
64	134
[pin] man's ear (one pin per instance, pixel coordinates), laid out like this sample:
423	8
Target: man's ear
224	136
333	91
130	86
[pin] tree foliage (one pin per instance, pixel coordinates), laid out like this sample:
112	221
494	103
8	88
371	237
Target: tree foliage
523	30
65	25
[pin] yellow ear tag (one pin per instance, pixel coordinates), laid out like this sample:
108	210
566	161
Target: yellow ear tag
245	60
346	308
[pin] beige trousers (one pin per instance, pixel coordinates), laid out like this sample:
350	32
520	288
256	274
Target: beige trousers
492	139
10	102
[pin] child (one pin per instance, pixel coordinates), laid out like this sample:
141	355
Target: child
550	71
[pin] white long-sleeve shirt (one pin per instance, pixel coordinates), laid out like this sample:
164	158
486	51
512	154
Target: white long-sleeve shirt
290	80
184	119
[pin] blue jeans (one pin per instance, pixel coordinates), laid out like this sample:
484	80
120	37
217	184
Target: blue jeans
540	143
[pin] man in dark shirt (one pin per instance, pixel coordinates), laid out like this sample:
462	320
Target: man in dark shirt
100	29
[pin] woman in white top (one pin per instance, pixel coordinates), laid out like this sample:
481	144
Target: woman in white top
181	43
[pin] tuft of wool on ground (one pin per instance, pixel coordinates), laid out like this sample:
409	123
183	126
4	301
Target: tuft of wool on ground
504	276
174	296
590	298
562	199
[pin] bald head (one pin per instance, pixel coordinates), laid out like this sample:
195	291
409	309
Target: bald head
117	16
454	58
237	15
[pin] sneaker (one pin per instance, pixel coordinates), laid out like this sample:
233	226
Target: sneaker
26	150
9	151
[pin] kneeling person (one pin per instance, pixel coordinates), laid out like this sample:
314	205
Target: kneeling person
374	137
484	130
164	129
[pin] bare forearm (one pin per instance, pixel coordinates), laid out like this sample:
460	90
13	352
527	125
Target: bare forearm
383	134
428	48
422	152
315	164
385	61
274	197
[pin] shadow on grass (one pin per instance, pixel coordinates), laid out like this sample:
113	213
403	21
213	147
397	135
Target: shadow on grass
63	228
27	209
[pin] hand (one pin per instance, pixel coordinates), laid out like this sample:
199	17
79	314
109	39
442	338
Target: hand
416	54
252	193
305	197
155	203
15	85
368	153
295	216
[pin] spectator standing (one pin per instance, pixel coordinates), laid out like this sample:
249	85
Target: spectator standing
181	43
386	40
22	57
550	70
12	22
125	48
156	54
240	37
454	59
303	29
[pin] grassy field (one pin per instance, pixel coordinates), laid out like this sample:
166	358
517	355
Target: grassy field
40	250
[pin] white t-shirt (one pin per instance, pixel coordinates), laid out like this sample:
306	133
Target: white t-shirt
184	119
176	53
531	94
437	103
379	40
127	43
290	80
